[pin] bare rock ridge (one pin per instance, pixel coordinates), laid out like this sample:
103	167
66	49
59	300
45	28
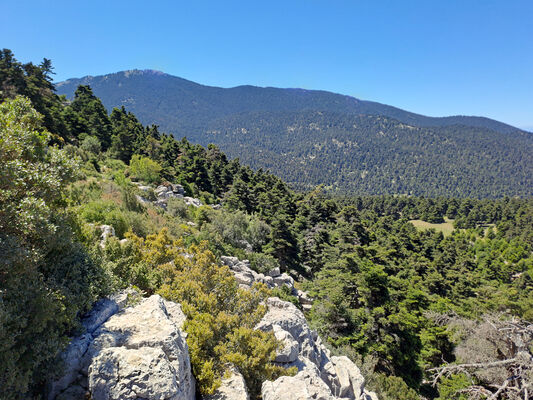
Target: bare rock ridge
139	352
320	376
246	277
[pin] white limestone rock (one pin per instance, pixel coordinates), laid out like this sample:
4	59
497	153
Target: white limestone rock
320	375
137	353
349	376
303	386
289	352
120	373
232	388
191	201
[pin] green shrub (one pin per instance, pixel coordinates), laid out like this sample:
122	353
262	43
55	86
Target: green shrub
220	316
129	199
91	144
118	220
262	263
177	208
145	169
96	211
47	277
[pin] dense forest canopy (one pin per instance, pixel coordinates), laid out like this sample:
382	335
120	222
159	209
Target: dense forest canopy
177	104
423	313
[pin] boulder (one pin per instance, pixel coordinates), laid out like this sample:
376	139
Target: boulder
320	375
229	261
303	386
120	373
351	381
160	189
284	279
178	189
289	352
191	201
242	271
139	352
244	278
231	388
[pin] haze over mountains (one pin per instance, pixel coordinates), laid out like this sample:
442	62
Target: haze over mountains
311	137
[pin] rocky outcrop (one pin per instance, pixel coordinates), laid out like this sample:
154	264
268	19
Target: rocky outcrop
137	352
165	192
320	376
246	277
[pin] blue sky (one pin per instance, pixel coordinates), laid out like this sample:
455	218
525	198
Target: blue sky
432	57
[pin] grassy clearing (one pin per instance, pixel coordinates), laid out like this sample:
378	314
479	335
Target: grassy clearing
446	227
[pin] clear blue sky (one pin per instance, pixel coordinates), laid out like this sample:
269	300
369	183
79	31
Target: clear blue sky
433	57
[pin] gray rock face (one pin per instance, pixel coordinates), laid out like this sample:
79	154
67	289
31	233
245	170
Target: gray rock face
320	375
232	388
122	373
164	193
290	349
349	377
191	201
247	276
136	353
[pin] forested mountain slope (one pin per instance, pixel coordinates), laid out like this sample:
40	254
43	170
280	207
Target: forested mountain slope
366	154
178	105
315	137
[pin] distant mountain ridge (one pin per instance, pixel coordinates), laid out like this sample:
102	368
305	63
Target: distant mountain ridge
312	137
175	103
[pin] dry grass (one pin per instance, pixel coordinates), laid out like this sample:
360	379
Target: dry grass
446	227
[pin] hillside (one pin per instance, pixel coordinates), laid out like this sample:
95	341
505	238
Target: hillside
315	137
367	154
123	246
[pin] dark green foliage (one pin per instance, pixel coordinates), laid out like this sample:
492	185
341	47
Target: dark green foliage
87	116
376	284
46	276
127	133
313	137
34	82
182	107
368	154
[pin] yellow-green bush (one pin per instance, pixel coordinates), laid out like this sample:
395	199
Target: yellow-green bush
144	168
220	315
